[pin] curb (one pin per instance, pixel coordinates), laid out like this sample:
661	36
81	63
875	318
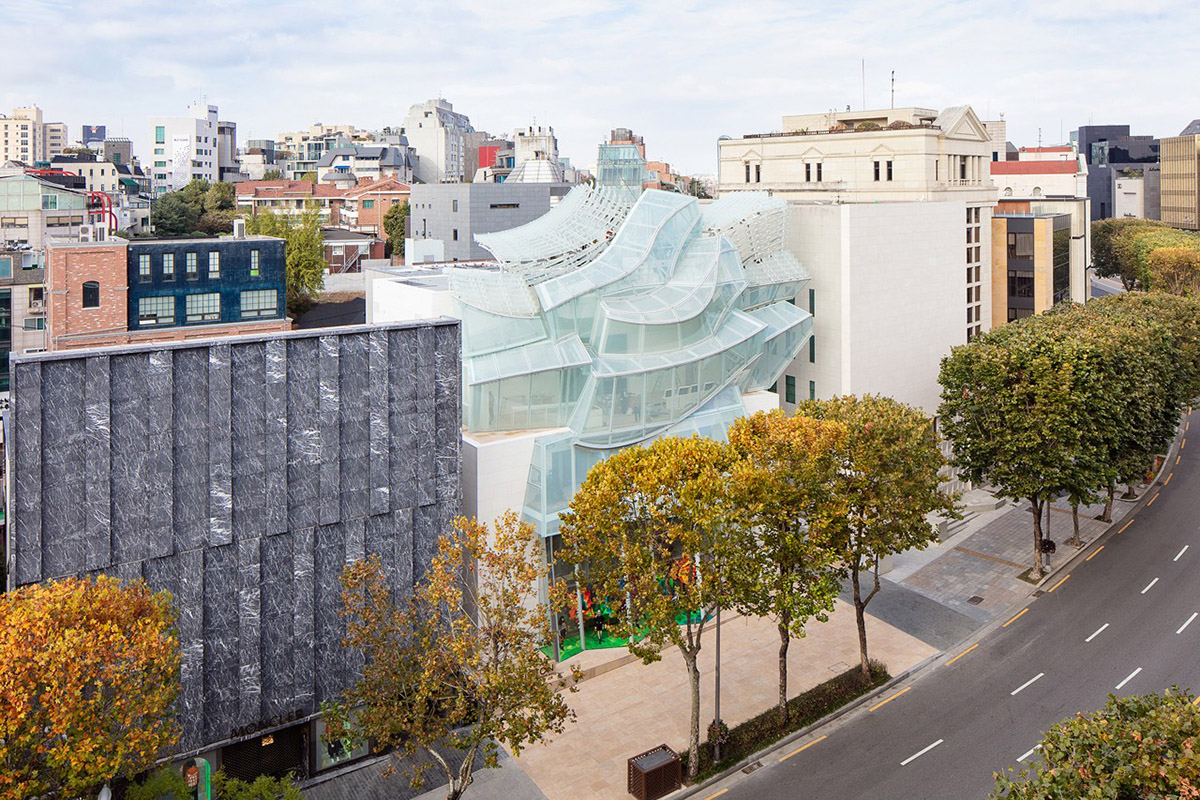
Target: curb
800	734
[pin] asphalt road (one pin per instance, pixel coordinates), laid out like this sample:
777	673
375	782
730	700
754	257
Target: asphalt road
1102	287
1125	621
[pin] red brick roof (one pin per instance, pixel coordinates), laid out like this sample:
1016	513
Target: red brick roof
1034	168
387	183
264	189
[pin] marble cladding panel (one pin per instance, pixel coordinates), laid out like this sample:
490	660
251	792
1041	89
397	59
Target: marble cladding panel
241	476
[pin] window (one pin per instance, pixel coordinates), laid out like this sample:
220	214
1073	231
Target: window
6	267
789	389
158	151
35	323
807	172
144	267
37	296
876	164
970	314
758	173
253	263
160	134
168	266
368	203
812	349
454	205
889	170
812	302
259	303
1020	284
91	294
49	202
1020	245
214	264
819	178
812	390
747	172
156	310
190	265
204	307
455	234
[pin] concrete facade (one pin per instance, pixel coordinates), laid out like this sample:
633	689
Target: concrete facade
1180	176
439	135
455	213
241	476
185	149
26	138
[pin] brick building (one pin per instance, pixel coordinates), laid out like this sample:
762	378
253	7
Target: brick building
151	290
365	205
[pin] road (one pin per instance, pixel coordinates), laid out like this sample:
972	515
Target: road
1125	621
1102	287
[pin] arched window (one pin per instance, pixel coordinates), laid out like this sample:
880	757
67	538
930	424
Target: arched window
1037	191
1008	191
91	294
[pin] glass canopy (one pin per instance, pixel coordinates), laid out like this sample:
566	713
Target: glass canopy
623	321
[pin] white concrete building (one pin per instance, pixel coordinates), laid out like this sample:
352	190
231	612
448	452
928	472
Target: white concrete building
1041	178
439	135
185	149
26	138
1129	196
534	144
890	212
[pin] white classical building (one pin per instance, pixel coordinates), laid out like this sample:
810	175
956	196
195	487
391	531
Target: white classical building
439	135
890	212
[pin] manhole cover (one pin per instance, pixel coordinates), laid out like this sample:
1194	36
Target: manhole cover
975	600
752	767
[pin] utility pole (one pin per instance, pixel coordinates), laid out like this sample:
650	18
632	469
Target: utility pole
893	88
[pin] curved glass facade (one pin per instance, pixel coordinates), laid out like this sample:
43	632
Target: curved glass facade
624	321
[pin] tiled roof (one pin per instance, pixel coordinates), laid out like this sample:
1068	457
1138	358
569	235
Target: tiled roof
264	189
385	184
1034	168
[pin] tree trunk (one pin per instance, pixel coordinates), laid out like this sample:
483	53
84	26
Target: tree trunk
1036	508
785	639
1130	492
693	669
1075	540
860	617
1106	514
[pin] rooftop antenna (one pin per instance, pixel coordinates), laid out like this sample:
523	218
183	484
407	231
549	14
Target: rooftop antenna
893	88
1039	137
864	84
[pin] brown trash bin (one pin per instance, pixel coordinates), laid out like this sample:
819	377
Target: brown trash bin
655	773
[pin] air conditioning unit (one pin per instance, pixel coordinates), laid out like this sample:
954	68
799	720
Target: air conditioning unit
35	305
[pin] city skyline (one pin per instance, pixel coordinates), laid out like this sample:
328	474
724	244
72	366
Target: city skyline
586	70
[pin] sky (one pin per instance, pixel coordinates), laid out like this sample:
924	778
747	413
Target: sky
679	73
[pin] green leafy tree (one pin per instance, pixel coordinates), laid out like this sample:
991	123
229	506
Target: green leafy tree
273	175
652	526
1104	256
264	787
304	249
1134	747
220	197
311	177
172	215
885	490
164	783
1175	270
1134	245
393	226
458	666
783	482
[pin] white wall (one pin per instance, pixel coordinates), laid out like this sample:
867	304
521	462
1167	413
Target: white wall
391	300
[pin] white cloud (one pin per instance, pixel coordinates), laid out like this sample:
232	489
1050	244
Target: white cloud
679	72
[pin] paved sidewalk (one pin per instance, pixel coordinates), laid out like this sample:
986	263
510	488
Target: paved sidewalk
634	707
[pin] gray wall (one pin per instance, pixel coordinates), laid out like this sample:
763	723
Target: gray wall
432	214
241	475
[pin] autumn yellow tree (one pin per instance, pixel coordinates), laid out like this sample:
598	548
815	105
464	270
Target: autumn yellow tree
458	666
1175	270
652	531
89	670
783	480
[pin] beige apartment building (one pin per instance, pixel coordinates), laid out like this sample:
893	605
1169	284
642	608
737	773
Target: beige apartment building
890	211
1179	157
26	138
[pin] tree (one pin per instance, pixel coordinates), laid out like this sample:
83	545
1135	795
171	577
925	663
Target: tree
273	175
393	226
785	568
304	248
172	215
311	177
264	787
650	529
90	672
164	783
1175	270
1134	747
220	197
885	490
458	665
1104	257
1133	246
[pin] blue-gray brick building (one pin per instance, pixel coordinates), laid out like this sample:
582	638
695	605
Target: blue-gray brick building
241	475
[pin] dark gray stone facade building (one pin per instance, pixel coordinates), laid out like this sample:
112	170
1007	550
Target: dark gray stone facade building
241	475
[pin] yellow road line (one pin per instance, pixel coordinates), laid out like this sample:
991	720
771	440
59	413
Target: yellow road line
1017	617
726	789
1196	702
890	699
1060	583
1177	460
1152	499
1168	480
1093	555
1123	527
789	755
1183	444
960	655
